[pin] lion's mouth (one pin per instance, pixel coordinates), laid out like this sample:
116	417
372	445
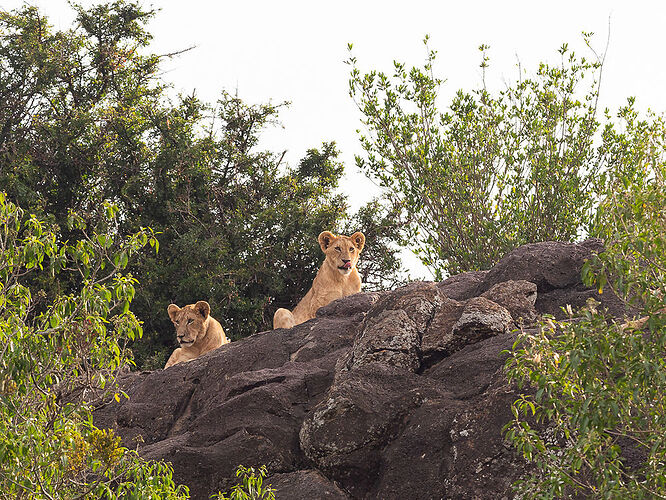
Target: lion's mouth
346	265
186	342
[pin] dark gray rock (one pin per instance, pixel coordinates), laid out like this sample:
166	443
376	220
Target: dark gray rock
468	373
438	340
417	461
398	394
553	301
366	408
417	299
393	328
518	297
483	465
353	304
462	286
391	338
480	319
549	265
305	485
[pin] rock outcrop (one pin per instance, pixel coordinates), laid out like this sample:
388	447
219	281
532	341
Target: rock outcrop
398	394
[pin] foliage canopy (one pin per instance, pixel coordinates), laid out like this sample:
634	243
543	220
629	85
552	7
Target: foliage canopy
492	172
88	119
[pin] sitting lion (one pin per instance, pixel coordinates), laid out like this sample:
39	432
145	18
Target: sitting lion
337	277
197	331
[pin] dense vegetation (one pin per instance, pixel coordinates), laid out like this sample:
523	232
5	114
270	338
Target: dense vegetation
59	358
596	423
495	170
86	118
95	153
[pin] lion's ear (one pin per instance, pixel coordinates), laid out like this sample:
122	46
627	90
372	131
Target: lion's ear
172	310
359	240
325	240
203	308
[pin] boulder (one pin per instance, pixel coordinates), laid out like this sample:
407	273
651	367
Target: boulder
549	265
554	301
417	460
392	330
306	485
394	394
518	297
359	303
391	338
462	286
366	408
480	319
437	341
555	268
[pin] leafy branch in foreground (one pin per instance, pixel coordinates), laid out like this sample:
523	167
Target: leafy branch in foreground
597	383
59	357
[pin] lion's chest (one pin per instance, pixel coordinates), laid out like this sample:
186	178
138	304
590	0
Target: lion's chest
331	295
326	296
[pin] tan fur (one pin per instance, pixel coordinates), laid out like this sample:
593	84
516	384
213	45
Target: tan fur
197	331
639	323
331	282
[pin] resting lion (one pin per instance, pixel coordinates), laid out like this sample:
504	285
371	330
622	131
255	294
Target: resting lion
196	330
337	277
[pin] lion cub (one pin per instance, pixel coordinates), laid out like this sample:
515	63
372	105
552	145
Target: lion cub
197	331
337	277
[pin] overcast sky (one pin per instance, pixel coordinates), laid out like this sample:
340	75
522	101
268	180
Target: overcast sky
295	51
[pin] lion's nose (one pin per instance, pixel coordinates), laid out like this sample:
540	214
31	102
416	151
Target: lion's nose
180	336
346	260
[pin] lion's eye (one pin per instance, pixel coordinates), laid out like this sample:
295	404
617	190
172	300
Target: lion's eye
190	320
338	249
351	249
176	322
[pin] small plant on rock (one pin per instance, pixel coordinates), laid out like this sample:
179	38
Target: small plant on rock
251	486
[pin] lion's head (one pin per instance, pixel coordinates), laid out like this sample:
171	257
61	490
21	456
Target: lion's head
341	251
190	322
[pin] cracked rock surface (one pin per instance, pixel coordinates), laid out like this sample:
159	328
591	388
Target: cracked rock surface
397	394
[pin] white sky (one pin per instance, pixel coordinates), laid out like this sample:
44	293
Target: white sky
294	50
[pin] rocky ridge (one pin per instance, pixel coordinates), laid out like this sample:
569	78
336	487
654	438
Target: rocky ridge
397	394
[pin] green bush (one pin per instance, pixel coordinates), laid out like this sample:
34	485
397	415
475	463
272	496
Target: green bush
493	171
594	423
251	486
60	357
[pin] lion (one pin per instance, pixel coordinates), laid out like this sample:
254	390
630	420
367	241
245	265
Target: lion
196	330
337	277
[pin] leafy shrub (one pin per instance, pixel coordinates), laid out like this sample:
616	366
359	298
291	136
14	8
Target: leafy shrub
595	422
495	170
251	486
60	357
